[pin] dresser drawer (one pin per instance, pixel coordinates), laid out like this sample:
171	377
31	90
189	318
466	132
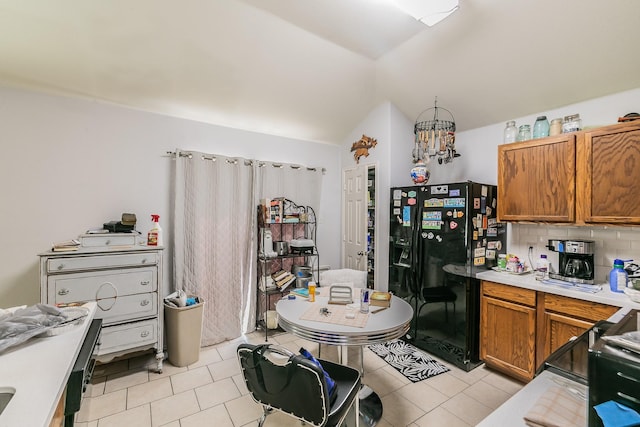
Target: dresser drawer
128	336
97	285
77	263
102	240
123	309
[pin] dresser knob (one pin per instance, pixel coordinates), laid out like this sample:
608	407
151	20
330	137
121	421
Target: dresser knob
144	302
108	242
144	283
144	334
144	260
63	291
61	266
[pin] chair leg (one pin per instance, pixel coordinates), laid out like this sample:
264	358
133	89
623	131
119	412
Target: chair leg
265	411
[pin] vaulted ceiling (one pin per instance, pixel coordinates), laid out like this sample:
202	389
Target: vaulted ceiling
313	69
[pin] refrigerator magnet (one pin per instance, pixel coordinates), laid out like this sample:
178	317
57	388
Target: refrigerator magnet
456	202
412	193
434	203
476	203
453	225
433	215
490	254
484	221
478	261
396	211
484	190
492	222
439	189
454	193
406	216
411	201
397	203
492	232
479	252
397	194
475	235
431	225
483	204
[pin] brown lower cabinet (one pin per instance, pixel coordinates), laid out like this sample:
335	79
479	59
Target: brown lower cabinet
520	328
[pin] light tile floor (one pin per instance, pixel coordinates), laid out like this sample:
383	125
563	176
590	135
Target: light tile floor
211	392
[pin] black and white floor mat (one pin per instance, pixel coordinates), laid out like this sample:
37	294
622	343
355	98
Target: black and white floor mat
408	360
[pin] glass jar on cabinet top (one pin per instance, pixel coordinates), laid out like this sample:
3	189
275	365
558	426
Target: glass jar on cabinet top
541	127
510	132
524	133
571	123
555	128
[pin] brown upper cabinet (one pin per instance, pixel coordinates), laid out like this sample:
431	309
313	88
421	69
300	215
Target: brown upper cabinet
587	177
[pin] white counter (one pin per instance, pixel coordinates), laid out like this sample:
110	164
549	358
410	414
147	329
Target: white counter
528	281
39	369
512	412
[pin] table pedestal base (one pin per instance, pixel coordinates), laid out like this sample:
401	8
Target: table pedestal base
370	407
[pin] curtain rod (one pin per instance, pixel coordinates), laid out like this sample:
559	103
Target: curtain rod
260	164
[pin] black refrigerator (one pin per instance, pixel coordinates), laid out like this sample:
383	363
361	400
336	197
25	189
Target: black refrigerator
440	236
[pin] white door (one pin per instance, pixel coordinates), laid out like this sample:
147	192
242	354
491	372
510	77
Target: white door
354	238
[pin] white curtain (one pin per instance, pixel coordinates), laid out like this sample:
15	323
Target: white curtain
299	184
214	236
215	232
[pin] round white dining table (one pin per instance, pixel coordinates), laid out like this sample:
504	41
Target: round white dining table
383	324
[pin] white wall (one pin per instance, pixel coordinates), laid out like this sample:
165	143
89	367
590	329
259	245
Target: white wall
479	149
68	165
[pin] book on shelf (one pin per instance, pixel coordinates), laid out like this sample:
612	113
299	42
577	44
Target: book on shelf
68	245
279	275
284	283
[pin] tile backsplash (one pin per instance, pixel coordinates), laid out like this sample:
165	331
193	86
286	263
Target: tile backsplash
611	243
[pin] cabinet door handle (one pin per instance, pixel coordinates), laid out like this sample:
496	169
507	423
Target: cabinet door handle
63	291
144	302
144	282
144	334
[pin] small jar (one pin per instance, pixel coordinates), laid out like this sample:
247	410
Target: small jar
524	133
541	127
510	132
571	123
555	128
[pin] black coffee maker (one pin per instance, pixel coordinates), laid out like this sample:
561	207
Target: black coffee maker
576	260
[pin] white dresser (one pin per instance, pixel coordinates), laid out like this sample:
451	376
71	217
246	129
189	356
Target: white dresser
125	283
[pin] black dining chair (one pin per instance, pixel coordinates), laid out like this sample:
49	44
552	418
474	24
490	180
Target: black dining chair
280	380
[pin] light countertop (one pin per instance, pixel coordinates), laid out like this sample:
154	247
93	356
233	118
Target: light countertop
528	281
39	369
512	412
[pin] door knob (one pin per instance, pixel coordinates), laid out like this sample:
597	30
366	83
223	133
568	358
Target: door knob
361	253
